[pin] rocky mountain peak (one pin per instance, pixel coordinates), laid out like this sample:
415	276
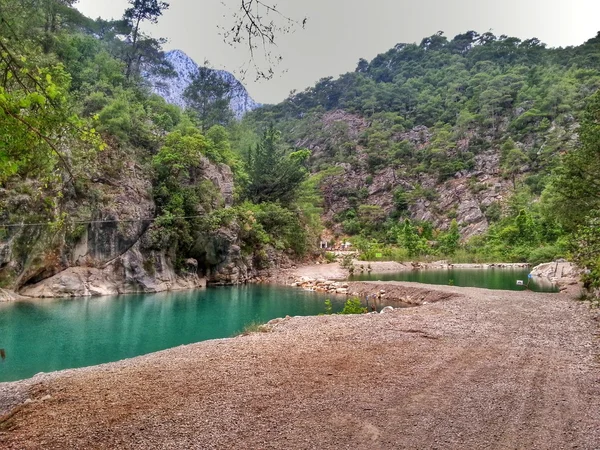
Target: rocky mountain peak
172	88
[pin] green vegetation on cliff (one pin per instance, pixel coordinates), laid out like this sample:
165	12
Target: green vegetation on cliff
88	150
482	135
479	147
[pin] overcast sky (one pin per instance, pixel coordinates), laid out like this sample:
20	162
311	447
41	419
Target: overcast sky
339	32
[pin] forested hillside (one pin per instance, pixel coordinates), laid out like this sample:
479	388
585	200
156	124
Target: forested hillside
106	188
475	148
462	134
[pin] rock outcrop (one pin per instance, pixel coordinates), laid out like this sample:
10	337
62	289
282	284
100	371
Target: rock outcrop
107	243
465	197
130	273
172	88
561	272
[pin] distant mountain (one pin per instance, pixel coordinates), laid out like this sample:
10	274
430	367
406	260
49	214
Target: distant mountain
171	89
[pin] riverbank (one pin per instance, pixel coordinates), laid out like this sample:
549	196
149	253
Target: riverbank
561	273
326	277
481	369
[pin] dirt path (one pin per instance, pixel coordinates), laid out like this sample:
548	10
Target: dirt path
334	271
486	369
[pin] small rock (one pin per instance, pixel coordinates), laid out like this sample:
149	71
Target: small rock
386	310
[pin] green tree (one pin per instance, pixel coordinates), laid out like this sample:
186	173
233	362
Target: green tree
53	10
353	306
140	11
180	193
410	239
586	252
450	241
513	160
575	190
36	118
208	95
574	195
275	173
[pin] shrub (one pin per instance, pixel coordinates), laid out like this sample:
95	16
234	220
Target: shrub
351	226
330	257
353	306
544	254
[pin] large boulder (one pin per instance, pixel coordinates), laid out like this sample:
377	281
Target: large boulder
132	272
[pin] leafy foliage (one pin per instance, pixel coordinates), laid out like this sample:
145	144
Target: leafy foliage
208	96
586	252
574	196
142	46
275	173
353	306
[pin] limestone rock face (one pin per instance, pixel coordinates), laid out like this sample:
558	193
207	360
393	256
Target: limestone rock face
115	249
465	196
172	88
131	272
221	176
8	296
223	256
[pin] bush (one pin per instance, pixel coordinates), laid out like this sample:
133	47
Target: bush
330	257
351	226
544	254
353	306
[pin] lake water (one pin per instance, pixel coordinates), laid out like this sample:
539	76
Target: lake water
493	278
53	334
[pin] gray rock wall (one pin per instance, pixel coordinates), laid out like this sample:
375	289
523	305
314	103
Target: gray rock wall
112	254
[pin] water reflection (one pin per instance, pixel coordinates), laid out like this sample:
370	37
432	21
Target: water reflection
492	278
54	334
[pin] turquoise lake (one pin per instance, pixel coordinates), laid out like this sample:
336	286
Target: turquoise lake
53	334
492	278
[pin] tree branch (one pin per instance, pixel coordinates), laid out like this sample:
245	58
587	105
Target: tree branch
42	136
250	25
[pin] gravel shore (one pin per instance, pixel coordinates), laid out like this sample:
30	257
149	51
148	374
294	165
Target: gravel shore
480	369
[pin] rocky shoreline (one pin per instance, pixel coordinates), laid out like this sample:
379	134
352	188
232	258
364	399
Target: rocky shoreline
325	278
320	277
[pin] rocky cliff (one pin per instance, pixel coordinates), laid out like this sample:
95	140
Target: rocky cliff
470	195
105	242
172	88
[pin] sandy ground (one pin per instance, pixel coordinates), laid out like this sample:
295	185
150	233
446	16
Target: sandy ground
480	369
334	271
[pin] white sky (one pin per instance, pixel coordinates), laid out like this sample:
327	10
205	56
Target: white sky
339	32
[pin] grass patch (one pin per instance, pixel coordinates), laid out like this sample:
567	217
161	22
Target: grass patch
255	327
